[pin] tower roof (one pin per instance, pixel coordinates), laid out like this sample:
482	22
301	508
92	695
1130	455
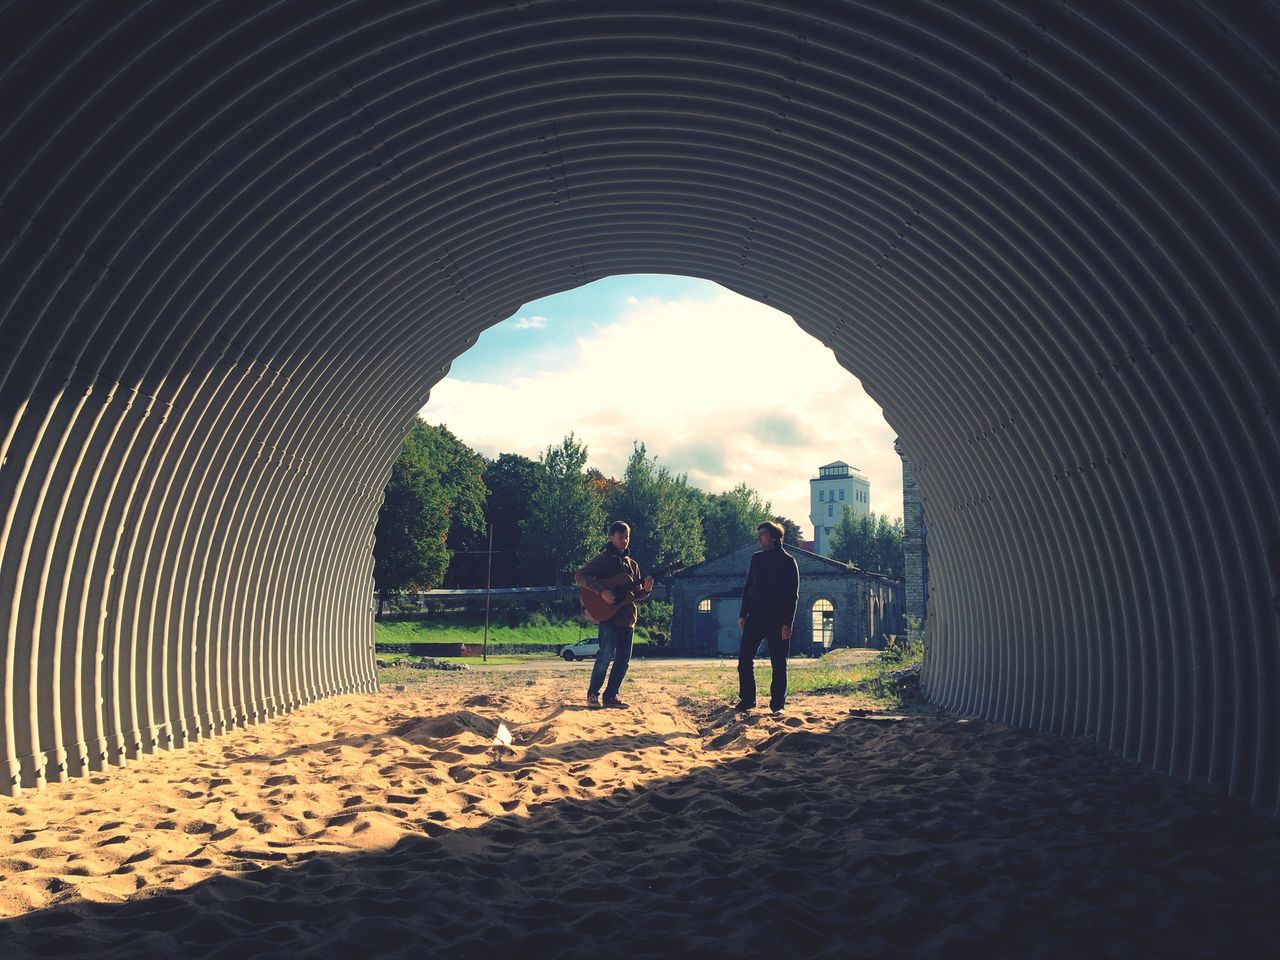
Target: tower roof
837	469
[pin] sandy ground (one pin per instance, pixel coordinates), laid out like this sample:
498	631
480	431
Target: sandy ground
392	825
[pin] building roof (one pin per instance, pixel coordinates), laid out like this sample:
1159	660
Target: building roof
851	471
795	551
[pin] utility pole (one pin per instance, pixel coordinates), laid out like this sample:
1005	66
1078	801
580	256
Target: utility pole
488	588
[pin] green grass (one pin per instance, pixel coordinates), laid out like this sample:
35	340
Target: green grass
426	631
880	679
419	631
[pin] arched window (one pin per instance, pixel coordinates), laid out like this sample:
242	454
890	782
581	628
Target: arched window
824	623
704	605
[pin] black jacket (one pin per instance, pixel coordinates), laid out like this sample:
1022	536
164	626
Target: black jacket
772	588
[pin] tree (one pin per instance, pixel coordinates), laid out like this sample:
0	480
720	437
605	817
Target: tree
433	504
409	550
461	475
873	543
791	533
565	522
662	510
510	481
851	539
606	489
730	519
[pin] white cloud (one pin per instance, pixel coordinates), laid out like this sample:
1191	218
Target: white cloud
726	388
530	323
632	301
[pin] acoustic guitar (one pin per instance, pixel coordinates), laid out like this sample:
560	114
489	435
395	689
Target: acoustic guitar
624	588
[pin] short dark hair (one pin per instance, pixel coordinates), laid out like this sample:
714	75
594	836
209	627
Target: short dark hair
774	529
619	525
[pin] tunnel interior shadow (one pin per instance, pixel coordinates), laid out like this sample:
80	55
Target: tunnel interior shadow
925	837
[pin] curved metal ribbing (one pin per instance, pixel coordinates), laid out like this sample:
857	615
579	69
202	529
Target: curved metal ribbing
242	240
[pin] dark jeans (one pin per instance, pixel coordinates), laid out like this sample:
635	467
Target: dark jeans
752	634
615	645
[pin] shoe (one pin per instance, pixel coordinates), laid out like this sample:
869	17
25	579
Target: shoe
593	700
614	702
776	711
743	706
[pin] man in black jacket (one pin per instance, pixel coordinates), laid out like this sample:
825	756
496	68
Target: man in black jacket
768	610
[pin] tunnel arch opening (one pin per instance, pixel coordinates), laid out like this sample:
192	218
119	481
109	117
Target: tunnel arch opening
731	409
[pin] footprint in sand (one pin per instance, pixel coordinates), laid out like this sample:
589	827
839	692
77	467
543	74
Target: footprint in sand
726	738
669	804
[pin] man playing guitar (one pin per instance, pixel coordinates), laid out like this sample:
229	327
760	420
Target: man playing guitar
612	569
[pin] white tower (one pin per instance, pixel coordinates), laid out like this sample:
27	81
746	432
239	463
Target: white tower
837	487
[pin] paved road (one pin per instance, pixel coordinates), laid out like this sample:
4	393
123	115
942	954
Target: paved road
555	664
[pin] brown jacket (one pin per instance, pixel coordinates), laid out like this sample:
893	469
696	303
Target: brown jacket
605	564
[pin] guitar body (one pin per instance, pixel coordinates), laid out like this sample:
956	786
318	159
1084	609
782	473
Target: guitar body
623	589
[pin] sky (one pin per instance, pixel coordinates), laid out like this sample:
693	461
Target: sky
716	385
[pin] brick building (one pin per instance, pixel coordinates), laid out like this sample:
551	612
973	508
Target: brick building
915	542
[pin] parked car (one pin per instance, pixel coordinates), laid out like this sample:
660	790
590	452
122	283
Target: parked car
582	650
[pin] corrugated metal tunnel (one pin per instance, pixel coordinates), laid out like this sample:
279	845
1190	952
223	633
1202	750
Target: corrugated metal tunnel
242	241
